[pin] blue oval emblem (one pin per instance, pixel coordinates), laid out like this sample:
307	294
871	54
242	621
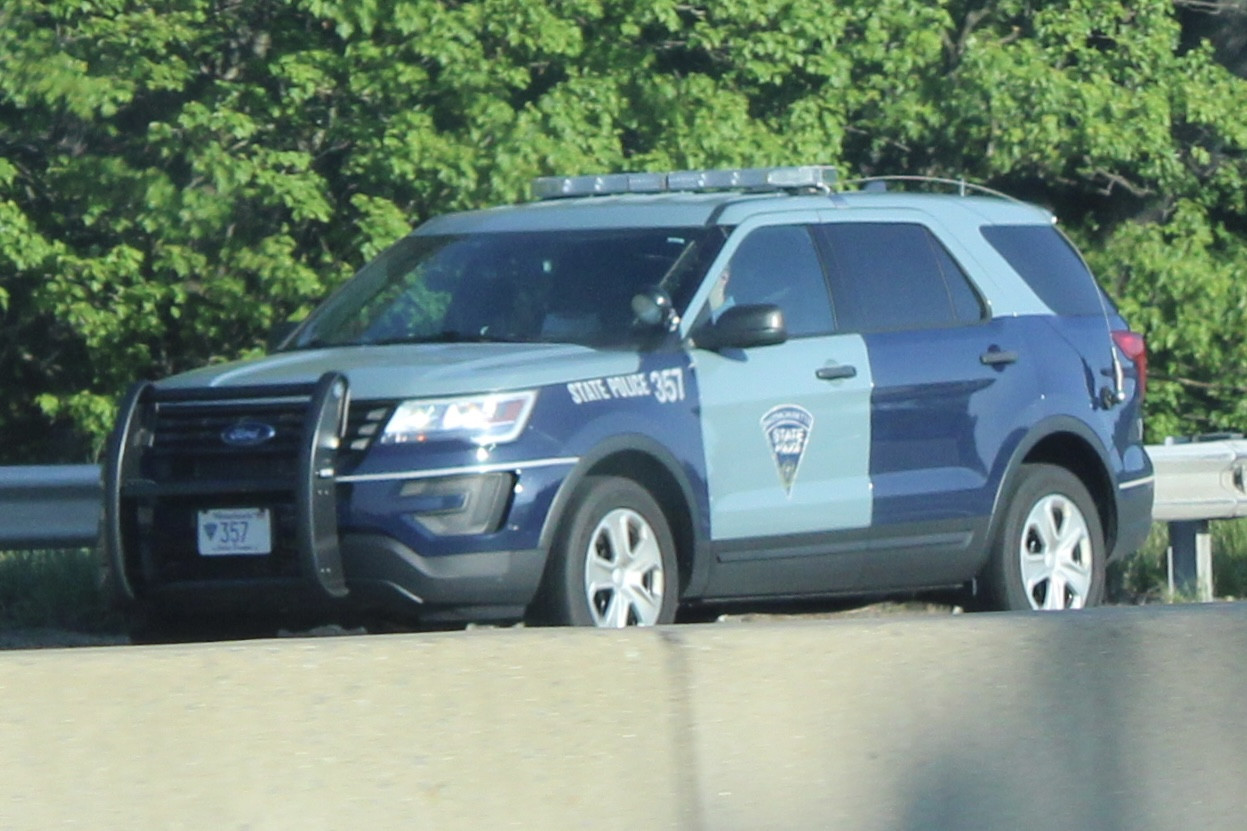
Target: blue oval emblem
247	433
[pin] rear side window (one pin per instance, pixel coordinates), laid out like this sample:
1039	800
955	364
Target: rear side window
1049	265
890	276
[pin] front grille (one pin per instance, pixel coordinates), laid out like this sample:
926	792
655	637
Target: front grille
187	441
198	428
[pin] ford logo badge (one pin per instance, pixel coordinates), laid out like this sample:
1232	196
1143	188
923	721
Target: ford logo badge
247	433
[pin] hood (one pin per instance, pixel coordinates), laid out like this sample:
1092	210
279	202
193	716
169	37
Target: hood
420	370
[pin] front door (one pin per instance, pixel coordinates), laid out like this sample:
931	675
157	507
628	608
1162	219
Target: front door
786	427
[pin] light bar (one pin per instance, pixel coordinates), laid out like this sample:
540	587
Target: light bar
816	177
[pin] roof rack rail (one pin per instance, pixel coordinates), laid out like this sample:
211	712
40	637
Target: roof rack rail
961	185
808	177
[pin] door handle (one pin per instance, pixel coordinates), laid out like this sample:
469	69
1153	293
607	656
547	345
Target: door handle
998	357
835	373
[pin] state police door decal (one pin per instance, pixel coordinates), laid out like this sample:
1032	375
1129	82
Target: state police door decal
787	429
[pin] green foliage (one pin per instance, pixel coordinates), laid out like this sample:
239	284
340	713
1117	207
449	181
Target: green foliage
54	590
175	182
1179	281
1144	576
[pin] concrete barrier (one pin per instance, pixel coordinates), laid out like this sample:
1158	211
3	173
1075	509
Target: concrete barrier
1110	719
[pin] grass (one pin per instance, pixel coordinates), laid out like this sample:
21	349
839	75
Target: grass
53	590
1143	578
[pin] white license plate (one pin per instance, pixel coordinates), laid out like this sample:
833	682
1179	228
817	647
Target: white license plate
227	532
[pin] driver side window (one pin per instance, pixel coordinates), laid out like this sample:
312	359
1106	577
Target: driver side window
777	265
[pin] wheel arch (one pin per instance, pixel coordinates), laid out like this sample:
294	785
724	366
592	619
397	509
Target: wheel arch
648	464
1072	445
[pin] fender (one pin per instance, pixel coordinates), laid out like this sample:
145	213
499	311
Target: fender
698	568
1053	425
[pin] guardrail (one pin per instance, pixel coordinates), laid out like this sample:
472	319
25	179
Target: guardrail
49	506
1196	481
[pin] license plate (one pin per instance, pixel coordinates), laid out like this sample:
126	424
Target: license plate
229	532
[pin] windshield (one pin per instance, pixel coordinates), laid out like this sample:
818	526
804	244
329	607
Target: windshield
539	286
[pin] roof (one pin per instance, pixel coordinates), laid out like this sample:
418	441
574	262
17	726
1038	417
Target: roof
693	209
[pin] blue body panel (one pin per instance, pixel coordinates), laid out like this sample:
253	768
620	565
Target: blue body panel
940	418
942	448
650	401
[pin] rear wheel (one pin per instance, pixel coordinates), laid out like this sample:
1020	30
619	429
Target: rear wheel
613	563
1049	553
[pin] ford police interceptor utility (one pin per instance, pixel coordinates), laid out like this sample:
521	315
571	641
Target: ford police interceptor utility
643	391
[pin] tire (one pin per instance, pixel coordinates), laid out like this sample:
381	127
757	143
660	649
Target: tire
613	561
1049	552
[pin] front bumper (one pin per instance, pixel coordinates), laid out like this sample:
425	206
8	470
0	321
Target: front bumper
384	578
384	575
418	546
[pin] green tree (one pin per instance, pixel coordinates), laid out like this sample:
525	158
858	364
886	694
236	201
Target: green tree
175	180
157	214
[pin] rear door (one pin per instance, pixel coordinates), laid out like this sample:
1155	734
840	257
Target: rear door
950	382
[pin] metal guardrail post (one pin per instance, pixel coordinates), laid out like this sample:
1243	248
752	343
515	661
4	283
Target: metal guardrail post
1190	559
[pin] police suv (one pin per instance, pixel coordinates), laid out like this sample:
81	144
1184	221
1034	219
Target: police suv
642	392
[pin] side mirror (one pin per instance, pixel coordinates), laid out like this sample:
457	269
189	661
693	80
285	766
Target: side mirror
742	327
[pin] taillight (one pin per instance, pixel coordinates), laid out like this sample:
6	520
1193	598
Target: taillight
1133	347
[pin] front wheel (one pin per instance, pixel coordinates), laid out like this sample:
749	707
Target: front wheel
1049	552
613	562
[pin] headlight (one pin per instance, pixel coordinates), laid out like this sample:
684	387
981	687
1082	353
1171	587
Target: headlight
483	419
